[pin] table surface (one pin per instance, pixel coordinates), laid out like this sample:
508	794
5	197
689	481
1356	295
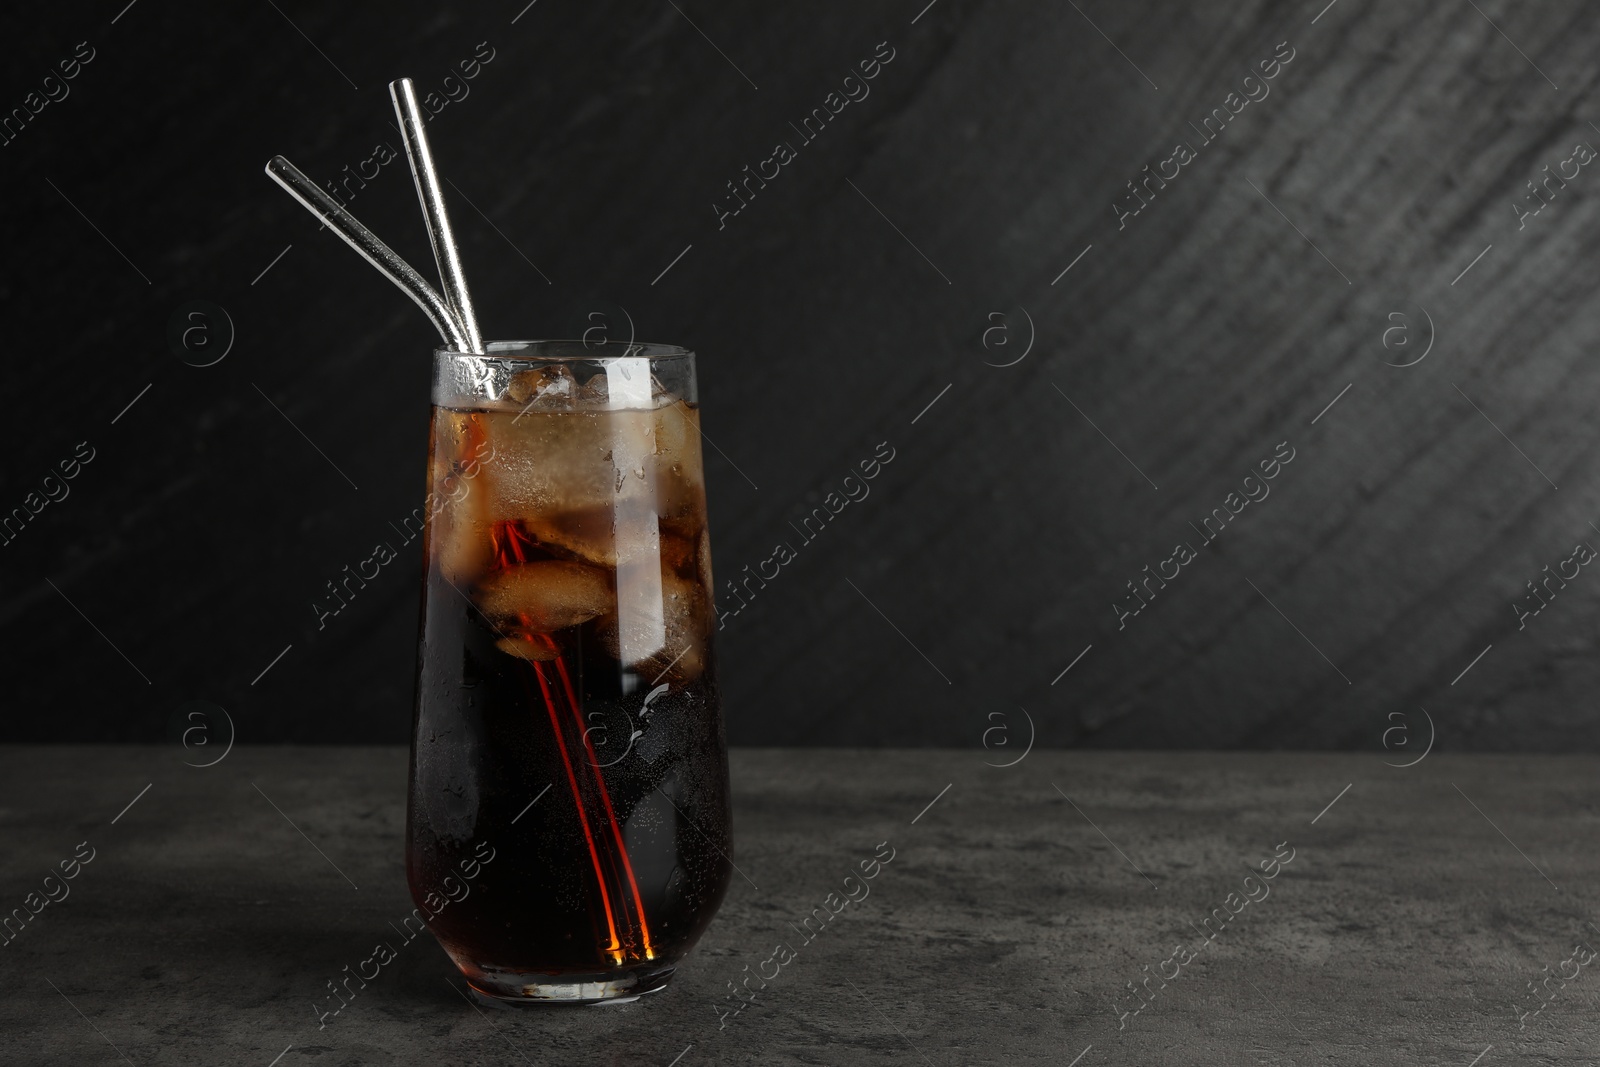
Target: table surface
1418	906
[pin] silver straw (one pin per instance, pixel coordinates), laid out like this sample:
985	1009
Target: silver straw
445	253
374	251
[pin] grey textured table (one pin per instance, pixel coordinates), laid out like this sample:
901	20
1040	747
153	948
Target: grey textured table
1417	907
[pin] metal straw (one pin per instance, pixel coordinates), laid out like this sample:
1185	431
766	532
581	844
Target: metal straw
374	251
445	253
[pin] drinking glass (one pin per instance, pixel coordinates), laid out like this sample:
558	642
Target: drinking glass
568	826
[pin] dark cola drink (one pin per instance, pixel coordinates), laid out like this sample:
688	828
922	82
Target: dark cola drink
567	724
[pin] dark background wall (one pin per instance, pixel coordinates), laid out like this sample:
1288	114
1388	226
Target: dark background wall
898	261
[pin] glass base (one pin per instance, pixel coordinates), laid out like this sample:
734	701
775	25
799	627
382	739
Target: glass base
527	987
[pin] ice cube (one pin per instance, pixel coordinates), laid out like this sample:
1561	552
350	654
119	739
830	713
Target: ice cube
677	552
460	530
547	460
610	535
677	429
596	392
681	613
581	482
543	388
524	646
660	395
546	595
581	533
679	473
597	486
457	509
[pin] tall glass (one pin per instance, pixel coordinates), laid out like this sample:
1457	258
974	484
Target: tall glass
568	831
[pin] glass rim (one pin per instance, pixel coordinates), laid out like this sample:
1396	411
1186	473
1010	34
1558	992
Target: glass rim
550	351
